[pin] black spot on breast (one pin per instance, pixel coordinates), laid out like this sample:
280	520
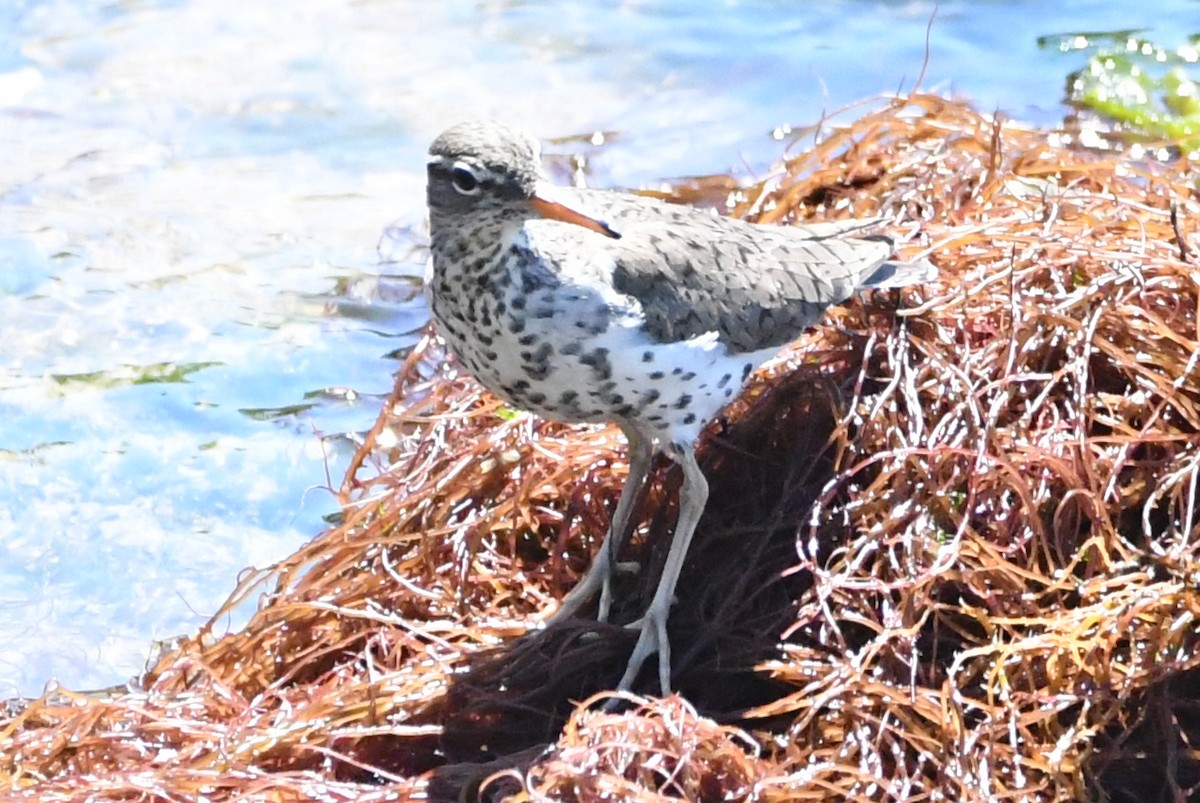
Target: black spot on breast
569	397
597	360
746	371
683	402
656	375
527	340
650	396
724	380
528	284
536	397
647	356
689	376
690	418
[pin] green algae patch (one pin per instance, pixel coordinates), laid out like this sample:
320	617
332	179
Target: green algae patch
1144	90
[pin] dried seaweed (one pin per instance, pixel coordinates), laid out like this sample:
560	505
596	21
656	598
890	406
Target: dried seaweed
951	549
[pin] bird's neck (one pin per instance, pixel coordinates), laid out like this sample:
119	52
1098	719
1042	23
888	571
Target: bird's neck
467	249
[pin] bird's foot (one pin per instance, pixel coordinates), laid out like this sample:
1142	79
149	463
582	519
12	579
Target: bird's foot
653	639
576	598
622	567
599	578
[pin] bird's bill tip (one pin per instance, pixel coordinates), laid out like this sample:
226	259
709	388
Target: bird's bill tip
551	209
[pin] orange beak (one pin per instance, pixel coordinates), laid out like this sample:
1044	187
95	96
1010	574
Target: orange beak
553	210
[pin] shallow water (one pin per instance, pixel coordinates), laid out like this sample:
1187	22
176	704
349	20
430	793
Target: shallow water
191	197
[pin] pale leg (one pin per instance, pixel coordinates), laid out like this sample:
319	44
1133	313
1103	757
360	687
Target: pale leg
599	576
693	495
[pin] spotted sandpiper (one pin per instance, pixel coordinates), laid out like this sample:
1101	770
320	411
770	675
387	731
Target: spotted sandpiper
588	305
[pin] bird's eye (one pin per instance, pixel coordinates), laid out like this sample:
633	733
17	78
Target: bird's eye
464	181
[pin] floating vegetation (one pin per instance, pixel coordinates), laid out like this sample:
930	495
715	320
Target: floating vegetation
168	373
1145	91
951	551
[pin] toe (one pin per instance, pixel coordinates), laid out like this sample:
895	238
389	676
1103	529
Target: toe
651	640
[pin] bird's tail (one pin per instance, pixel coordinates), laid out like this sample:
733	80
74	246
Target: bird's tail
900	274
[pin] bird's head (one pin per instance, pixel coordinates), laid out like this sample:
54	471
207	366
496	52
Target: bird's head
483	167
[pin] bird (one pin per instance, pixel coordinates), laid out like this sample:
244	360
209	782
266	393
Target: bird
587	305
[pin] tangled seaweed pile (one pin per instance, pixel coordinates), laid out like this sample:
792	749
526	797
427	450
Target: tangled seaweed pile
951	550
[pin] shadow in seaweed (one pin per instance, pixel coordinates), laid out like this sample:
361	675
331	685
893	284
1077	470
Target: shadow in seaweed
735	600
1153	757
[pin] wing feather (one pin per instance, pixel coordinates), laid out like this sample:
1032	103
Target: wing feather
692	272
